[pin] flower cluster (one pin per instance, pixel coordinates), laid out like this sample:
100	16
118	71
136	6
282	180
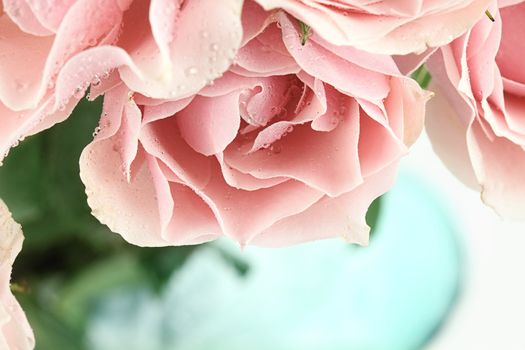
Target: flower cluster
272	122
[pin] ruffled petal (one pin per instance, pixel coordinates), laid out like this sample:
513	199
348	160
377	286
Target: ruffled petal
128	208
499	165
210	124
343	216
333	70
15	330
326	161
207	35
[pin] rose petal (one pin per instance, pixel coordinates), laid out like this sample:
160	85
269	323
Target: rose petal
266	206
208	34
343	216
163	140
209	124
493	161
326	161
333	70
21	13
128	208
184	217
15	330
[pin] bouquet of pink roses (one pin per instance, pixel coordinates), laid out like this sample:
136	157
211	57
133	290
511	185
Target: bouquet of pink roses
271	122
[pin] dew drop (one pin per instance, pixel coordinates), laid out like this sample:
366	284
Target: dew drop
96	81
79	92
275	149
20	86
97	130
282	114
192	70
214	47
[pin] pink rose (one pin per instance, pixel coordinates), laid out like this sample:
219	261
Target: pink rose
37	43
15	330
477	118
388	27
50	54
291	144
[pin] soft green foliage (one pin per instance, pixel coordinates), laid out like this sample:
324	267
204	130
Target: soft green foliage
69	260
422	76
373	215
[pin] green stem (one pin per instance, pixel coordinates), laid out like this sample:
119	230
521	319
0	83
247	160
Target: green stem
489	15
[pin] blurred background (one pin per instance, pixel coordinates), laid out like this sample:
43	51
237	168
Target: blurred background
441	272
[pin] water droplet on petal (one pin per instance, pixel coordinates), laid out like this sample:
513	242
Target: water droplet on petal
96	81
282	113
97	130
275	149
192	71
79	92
20	86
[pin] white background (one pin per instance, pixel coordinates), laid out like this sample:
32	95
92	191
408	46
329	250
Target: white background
490	313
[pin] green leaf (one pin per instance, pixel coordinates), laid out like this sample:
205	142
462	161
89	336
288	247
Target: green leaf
63	145
79	295
40	179
20	180
160	263
374	214
51	333
422	76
